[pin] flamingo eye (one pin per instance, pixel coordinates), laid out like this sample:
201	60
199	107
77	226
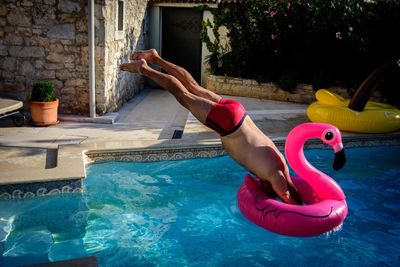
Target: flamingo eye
329	136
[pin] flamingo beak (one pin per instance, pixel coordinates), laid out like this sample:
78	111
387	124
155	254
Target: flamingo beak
340	160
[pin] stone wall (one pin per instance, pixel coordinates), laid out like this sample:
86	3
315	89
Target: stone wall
45	40
118	87
251	88
48	39
304	93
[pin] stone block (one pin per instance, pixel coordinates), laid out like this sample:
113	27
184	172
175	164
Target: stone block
68	91
101	108
10	86
30	84
69	58
8	63
81	39
69	66
3	10
46	74
26	3
57	48
49	2
67	6
57	84
9	29
237	89
7	75
212	78
226	86
3	50
24	31
344	92
39	64
52	66
221	79
67	42
214	84
26	51
63	31
66	18
20	78
14	39
72	48
218	87
236	81
43	15
37	31
81	26
247	82
80	68
26	68
17	17
75	82
64	74
3	21
55	58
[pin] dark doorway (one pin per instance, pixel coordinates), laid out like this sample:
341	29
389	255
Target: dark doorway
181	38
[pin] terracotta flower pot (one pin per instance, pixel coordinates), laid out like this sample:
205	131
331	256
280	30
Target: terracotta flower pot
44	113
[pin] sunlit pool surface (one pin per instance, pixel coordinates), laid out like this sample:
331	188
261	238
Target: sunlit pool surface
184	213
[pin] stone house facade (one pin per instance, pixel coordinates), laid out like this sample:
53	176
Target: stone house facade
48	40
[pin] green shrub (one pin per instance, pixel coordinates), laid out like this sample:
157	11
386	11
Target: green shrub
319	41
320	80
43	91
288	80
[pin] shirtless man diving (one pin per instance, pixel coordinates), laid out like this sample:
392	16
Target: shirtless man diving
241	138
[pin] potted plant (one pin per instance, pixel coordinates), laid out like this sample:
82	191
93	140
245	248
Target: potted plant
44	104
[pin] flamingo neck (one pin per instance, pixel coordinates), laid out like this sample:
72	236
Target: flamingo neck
324	186
297	159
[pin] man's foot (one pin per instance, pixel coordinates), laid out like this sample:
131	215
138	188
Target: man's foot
148	55
136	66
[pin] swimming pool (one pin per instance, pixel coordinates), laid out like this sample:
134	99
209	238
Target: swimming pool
184	213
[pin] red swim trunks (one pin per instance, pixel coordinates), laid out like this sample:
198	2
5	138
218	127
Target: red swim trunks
226	116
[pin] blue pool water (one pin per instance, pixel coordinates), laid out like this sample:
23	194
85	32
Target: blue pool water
184	213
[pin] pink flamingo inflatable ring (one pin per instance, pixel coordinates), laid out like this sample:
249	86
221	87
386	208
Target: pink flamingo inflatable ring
325	208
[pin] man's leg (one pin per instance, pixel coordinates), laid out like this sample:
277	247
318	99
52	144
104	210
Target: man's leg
198	106
151	56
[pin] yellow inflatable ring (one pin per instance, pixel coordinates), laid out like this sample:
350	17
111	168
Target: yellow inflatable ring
375	118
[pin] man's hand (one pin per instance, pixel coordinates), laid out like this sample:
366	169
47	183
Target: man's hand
279	185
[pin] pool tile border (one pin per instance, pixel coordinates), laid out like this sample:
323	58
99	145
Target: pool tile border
39	189
151	155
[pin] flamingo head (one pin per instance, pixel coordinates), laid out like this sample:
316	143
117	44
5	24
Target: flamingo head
332	137
328	133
